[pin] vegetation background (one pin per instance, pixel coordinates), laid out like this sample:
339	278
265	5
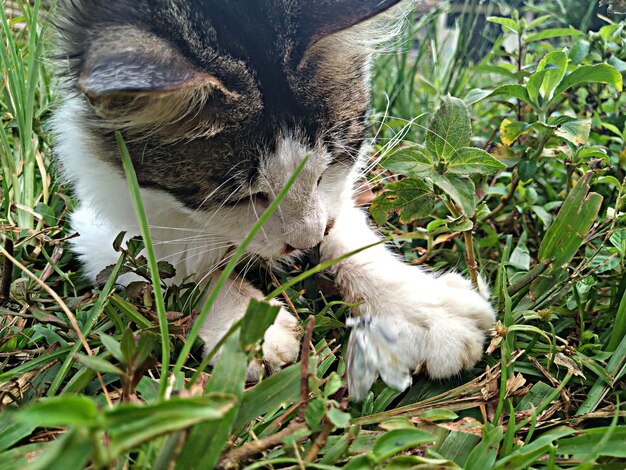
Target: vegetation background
530	193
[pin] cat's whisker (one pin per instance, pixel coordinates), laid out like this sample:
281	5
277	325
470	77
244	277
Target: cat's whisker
178	229
272	193
199	284
204	252
197	239
250	263
192	238
384	151
179	241
256	215
385	114
208	247
214	212
212	193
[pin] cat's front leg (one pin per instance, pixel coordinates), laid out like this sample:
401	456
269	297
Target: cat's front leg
436	323
281	341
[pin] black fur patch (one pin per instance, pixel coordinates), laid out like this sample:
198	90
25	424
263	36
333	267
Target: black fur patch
254	48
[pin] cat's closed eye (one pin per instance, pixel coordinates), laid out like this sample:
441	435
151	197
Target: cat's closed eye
260	198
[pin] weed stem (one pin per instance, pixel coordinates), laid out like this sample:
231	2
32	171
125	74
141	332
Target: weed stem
7	270
468	236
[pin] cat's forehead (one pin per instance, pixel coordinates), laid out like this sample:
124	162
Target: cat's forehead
271	29
263	37
240	29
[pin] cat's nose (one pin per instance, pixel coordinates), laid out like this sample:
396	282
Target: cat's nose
306	236
329	226
304	242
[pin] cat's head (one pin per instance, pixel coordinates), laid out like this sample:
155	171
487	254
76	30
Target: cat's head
220	100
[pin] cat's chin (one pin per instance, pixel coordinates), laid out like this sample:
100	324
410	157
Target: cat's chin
280	253
280	263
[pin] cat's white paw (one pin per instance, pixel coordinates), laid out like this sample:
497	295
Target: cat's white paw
420	323
281	346
447	321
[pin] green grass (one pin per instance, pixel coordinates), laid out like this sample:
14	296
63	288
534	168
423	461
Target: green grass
548	232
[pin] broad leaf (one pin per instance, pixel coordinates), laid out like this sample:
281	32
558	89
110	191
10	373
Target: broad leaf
576	131
527	169
450	129
339	418
566	234
579	51
510	131
592	442
135	246
411	197
538	22
485	454
553	33
471	160
619	64
394	442
415	160
549	74
98	364
314	413
113	346
559	60
600	73
460	188
72	450
570	227
21	457
527	455
456	446
279	388
206	441
145	347
166	270
67	410
506	23
129	425
12	431
461	224
258	318
476	95
511	91
130	311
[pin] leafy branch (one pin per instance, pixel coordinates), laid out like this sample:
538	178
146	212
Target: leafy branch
444	166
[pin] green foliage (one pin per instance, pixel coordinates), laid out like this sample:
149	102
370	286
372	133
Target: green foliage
126	426
24	98
524	176
446	162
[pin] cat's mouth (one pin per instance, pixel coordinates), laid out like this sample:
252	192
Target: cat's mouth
288	250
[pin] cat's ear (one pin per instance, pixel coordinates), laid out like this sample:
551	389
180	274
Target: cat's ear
326	17
136	78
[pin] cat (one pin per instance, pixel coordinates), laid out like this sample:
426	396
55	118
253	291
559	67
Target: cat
219	101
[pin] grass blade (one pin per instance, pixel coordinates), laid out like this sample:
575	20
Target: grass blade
230	267
144	227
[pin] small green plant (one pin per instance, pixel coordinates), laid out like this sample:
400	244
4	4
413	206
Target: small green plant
440	169
24	98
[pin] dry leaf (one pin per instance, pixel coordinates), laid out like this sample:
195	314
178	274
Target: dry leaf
562	360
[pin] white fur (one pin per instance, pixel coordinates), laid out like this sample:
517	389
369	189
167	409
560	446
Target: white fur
441	321
280	345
